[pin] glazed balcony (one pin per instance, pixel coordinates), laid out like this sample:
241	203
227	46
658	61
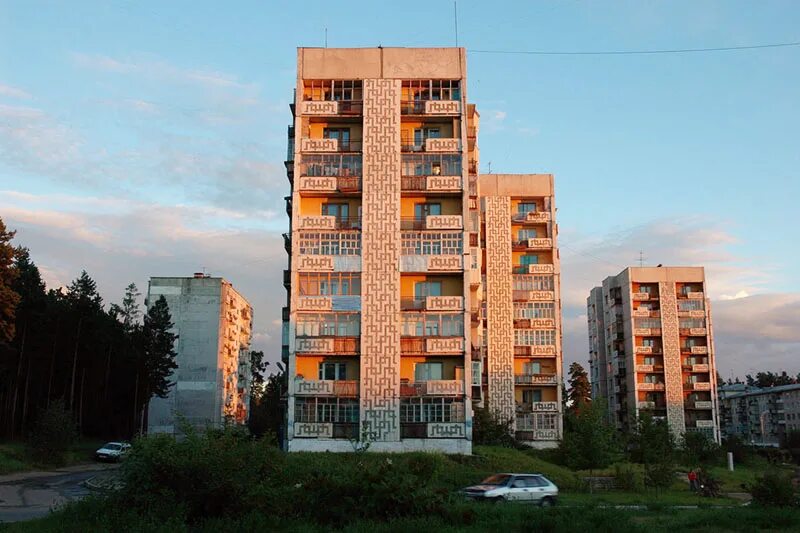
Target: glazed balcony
432	222
431	172
439	387
528	429
319	387
535	379
410	143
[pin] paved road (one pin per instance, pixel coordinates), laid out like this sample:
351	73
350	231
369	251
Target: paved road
33	494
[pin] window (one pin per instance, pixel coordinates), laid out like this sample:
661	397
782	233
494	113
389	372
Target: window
340	211
420	134
526	260
546	421
684	323
328	324
330	243
524	208
690	305
340	134
427	371
330	283
532	368
649	342
425	164
649	323
333	371
531	396
332	90
648	360
422	210
525	234
532	282
534	337
317	165
432	324
423	289
431	242
645	289
523	310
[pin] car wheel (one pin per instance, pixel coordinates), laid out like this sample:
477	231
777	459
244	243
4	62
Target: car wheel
547	502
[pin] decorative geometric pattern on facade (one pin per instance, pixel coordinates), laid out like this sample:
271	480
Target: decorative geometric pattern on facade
442	107
315	263
380	306
672	358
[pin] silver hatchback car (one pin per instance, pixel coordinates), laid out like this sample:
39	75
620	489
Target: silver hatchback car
533	488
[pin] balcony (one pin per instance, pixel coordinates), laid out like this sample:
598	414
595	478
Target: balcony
409	144
304	387
322	145
642	296
533	269
433	183
700	368
647	349
692	295
329	184
535	379
644	368
433	303
531	217
430	107
536	407
329	223
534	323
692	331
650	386
544	350
703	405
439	387
432	345
328	345
649	405
704	423
646	332
533	296
532	244
696	350
287	278
432	222
699	385
331	107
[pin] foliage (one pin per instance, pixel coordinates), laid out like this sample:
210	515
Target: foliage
653	446
53	434
158	350
267	404
710	486
580	390
8	274
627	477
589	441
487	429
698	448
771	379
773	489
742	453
128	313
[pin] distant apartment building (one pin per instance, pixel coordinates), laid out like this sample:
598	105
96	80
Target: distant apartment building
214	324
652	350
384	323
522	304
759	416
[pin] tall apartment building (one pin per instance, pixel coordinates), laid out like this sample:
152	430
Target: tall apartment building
211	384
383	328
522	304
652	348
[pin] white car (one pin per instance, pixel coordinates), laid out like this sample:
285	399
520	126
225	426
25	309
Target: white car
112	451
534	488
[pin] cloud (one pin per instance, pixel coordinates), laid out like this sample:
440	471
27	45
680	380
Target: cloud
159	70
14	92
742	332
499	115
136	240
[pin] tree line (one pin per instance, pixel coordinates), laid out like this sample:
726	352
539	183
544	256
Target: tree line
65	347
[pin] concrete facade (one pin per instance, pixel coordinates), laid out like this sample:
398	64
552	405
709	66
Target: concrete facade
761	417
213	323
385	316
523	304
652	350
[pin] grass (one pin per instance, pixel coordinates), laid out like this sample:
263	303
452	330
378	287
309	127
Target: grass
14	456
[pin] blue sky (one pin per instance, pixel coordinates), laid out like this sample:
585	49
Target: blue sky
147	138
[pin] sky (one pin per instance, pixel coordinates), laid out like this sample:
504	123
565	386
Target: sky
147	138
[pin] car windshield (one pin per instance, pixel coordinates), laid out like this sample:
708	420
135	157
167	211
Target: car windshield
112	446
497	479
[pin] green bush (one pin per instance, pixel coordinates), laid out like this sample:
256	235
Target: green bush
627	478
53	434
488	430
659	475
698	449
773	489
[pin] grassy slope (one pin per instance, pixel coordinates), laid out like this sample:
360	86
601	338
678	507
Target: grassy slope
14	456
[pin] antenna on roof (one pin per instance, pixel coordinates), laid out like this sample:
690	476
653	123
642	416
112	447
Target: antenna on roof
326	37
455	19
641	259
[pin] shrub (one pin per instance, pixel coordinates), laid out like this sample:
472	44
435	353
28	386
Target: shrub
53	434
627	478
698	448
659	475
773	489
488	430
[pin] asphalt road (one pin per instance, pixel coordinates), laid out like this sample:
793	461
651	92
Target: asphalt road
32	495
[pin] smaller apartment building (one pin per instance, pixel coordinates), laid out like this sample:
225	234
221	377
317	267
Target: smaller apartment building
761	417
652	350
214	326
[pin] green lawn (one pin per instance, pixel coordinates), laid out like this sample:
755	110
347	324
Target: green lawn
15	458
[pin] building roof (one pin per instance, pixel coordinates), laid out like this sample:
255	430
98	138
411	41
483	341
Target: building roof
766	390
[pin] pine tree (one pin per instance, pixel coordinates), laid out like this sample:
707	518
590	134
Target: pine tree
580	390
157	354
8	273
128	313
